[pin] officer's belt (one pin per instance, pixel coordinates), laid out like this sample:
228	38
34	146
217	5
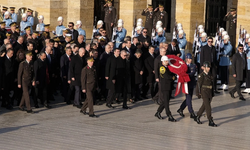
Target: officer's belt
206	86
118	42
182	49
248	57
225	55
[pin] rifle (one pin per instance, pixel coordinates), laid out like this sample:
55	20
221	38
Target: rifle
195	41
134	26
94	30
240	35
114	34
175	32
152	37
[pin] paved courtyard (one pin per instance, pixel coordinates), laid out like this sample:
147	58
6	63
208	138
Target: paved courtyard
64	128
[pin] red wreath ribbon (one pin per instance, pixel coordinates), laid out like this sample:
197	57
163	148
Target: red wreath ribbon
179	67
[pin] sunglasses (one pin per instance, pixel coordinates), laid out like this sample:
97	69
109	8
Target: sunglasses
69	26
210	41
145	32
241	48
125	55
104	32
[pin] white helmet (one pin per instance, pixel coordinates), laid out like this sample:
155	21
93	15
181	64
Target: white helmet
119	25
159	22
120	21
226	37
24	15
139	24
201	30
158	26
78	22
164	58
200	27
60	18
247	35
221	30
204	34
248	40
179	25
139	20
224	33
138	28
181	32
40	17
100	22
160	30
7	13
179	28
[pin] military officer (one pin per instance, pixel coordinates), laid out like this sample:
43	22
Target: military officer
46	30
4	9
24	23
225	52
110	18
162	16
14	35
204	90
13	14
166	78
7	19
60	27
120	35
25	80
182	42
80	30
29	16
188	101
149	13
40	25
89	85
27	33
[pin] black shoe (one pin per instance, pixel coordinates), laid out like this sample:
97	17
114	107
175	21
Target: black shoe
79	106
231	94
93	116
180	112
109	106
158	115
192	115
74	105
47	106
118	102
83	112
242	98
216	92
30	111
21	108
126	107
36	106
198	120
68	103
171	118
211	123
9	107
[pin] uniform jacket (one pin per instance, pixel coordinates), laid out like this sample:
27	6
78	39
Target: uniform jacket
149	19
59	30
88	78
225	53
205	80
110	14
163	17
191	72
166	79
25	73
40	27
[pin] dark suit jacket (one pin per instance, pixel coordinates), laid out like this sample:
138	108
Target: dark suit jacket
149	65
40	72
103	60
138	66
64	65
75	35
142	39
208	54
170	51
76	65
239	65
8	77
110	71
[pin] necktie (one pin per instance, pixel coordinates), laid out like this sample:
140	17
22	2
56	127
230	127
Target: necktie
49	58
69	58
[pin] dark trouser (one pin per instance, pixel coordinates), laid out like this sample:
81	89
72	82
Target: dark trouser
213	71
150	87
25	98
237	88
124	96
158	94
206	105
224	74
41	92
77	95
165	102
188	101
198	68
248	79
88	103
65	88
137	90
109	30
70	90
6	98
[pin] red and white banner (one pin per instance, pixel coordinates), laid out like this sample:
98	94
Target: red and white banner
179	67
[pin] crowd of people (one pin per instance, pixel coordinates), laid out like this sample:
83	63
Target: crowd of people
112	66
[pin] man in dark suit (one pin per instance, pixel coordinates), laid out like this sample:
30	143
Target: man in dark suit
109	18
26	80
42	79
208	53
8	78
18	45
149	71
73	31
80	41
110	76
144	36
64	65
173	48
128	47
77	63
239	67
162	16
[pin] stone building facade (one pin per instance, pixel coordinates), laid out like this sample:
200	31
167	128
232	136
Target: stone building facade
187	12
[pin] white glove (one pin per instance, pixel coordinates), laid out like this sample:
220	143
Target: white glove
216	38
174	33
114	33
54	32
195	38
94	30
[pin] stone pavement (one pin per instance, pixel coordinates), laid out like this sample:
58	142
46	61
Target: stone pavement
64	128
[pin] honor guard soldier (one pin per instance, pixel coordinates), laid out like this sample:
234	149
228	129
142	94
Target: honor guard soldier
231	17
89	85
204	90
120	35
247	90
24	23
224	62
160	38
60	27
166	79
40	25
110	18
182	42
29	17
13	14
7	19
4	9
149	13
162	16
26	80
80	30
191	85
